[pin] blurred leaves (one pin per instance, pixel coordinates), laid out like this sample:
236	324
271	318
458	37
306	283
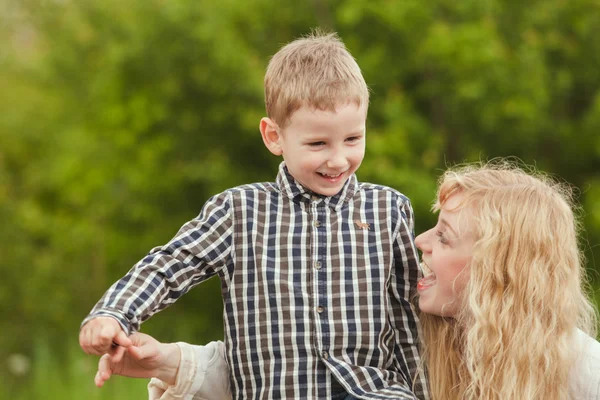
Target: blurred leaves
121	118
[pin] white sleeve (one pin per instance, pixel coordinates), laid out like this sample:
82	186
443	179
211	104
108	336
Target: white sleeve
203	374
585	378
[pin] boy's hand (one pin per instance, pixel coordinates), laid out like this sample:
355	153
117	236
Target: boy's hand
103	335
145	358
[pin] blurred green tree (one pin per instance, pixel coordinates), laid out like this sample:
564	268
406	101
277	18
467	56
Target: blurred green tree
121	119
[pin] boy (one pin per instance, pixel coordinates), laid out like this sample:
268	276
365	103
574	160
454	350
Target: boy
316	269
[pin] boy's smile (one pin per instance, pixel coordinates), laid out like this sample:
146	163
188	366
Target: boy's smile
322	149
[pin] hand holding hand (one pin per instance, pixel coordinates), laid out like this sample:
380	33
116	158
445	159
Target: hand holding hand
145	358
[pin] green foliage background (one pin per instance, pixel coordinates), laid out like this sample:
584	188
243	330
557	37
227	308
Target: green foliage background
120	118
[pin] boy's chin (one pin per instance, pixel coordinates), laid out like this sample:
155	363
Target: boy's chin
327	192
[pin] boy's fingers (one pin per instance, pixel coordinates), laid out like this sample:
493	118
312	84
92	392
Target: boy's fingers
82	340
118	346
102	339
85	341
122	340
91	344
98	334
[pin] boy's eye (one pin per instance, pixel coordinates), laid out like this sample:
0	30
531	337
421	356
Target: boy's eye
353	138
316	144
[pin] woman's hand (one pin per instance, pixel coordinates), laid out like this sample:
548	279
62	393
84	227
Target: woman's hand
145	358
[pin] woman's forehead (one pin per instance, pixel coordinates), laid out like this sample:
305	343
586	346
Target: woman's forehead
455	214
453	203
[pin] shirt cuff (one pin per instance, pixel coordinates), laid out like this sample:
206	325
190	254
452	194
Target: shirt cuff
110	313
186	381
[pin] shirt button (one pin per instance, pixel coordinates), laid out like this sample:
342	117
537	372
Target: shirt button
317	223
314	198
319	309
318	265
325	355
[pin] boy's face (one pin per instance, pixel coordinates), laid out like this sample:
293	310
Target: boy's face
322	149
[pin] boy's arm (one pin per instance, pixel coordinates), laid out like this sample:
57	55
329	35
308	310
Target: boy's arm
198	251
403	289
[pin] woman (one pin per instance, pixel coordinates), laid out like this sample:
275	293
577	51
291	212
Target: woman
504	313
504	310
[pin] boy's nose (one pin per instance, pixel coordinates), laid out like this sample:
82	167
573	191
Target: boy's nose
337	161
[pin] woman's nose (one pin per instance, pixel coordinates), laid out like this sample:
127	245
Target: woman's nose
422	241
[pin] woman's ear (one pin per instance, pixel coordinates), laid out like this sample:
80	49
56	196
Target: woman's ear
269	130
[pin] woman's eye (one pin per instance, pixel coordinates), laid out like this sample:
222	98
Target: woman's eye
441	237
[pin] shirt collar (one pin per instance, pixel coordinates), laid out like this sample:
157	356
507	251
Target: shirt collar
295	191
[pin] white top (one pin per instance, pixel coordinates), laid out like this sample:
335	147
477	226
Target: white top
584	382
203	373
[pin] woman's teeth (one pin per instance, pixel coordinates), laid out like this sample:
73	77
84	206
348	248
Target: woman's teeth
425	269
428	278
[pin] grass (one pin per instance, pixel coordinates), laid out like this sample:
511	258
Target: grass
72	377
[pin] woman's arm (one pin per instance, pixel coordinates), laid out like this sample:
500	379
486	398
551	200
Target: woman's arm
178	370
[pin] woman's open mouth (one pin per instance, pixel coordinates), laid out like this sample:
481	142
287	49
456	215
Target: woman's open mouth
429	279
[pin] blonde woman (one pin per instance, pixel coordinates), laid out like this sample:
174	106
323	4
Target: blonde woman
505	314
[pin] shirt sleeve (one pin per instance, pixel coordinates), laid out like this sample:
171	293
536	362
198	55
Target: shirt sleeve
202	374
200	250
584	378
405	276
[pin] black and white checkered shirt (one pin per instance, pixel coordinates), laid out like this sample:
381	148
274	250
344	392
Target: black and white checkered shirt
315	288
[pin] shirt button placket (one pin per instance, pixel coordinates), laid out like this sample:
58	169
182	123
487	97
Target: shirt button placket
317	266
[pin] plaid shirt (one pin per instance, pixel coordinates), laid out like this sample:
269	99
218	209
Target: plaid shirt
315	288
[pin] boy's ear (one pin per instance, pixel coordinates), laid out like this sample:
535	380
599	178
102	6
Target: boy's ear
269	130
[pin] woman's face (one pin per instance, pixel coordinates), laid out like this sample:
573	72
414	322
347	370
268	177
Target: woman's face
446	248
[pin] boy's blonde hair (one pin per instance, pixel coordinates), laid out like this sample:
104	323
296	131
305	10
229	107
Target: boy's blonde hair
316	71
513	337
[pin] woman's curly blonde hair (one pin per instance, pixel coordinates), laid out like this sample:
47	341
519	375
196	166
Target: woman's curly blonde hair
514	334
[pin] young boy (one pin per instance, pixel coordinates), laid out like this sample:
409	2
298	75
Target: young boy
316	268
